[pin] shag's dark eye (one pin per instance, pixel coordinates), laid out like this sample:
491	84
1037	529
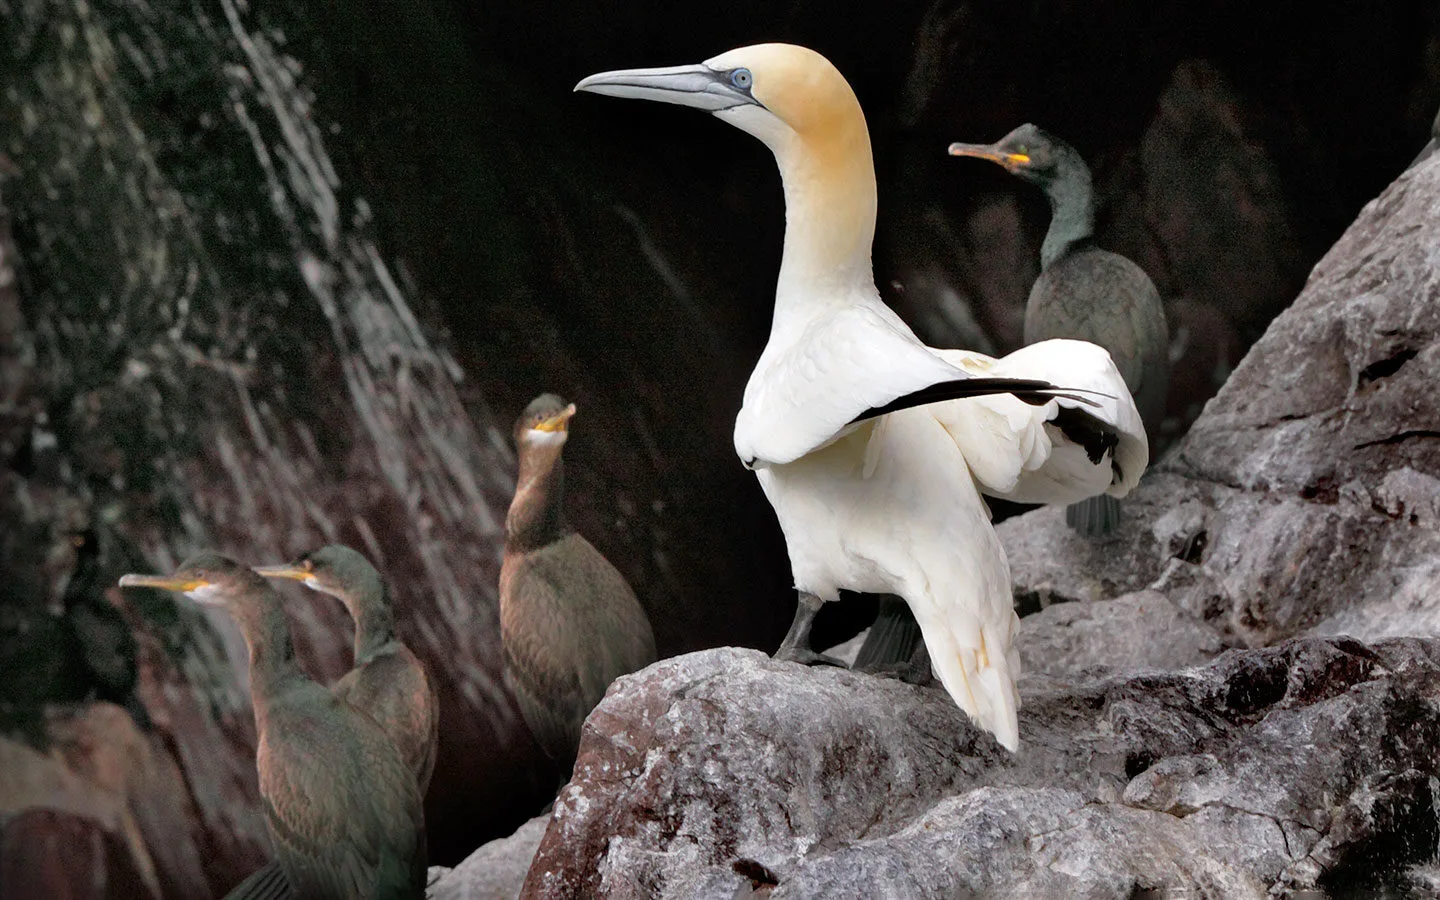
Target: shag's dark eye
742	79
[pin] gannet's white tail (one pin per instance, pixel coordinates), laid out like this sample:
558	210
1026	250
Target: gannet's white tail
978	666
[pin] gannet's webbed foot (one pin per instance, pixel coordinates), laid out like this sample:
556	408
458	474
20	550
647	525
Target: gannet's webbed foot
796	646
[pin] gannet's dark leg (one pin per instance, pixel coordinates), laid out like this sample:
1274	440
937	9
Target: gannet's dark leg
796	646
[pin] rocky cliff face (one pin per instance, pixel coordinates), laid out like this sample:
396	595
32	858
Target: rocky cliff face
220	355
1302	503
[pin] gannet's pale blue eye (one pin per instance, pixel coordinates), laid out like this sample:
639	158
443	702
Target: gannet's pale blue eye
742	79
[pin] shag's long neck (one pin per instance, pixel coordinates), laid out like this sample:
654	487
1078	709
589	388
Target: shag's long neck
1072	212
261	617
536	517
829	220
368	600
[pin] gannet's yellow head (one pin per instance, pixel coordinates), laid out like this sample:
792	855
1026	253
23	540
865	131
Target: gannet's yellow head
777	92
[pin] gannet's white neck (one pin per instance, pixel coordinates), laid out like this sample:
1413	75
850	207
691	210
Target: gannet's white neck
830	203
829	218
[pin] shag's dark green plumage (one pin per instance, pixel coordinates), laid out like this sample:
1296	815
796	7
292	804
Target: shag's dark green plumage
569	622
1084	292
342	807
388	680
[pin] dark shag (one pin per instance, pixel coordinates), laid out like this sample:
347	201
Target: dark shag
103	635
388	681
342	808
569	623
1084	292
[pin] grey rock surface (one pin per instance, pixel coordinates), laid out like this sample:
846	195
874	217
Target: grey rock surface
1306	765
1140	630
495	871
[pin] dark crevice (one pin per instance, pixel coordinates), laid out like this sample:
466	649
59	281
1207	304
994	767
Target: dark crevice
1388	366
1325	489
1193	550
759	874
1027	603
1137	761
1400	438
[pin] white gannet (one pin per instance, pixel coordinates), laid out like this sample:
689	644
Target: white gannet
850	422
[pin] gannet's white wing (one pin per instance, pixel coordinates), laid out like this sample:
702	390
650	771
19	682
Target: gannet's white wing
809	387
1061	452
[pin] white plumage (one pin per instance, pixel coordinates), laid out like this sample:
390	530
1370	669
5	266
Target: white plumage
891	504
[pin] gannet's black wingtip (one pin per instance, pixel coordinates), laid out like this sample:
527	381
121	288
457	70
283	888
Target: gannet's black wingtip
1027	390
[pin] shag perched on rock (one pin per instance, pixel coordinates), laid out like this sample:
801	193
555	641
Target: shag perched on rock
84	650
569	622
388	681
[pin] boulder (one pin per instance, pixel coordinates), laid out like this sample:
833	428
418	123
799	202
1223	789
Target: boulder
1140	630
1306	765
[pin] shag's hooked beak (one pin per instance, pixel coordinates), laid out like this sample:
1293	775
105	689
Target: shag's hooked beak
558	422
293	572
163	582
699	86
991	152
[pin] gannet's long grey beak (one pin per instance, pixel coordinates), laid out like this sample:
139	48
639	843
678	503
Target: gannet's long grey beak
699	86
